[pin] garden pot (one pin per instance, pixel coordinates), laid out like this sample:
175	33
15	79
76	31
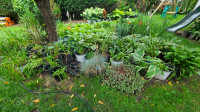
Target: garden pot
46	67
22	68
63	58
114	63
163	76
186	34
57	78
89	21
192	37
80	58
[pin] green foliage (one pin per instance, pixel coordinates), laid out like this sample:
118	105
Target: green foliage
55	8
30	69
124	78
187	59
94	66
76	7
122	28
120	49
6	8
145	26
189	5
33	26
93	13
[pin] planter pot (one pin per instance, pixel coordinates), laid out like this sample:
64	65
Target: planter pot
164	76
89	21
114	63
62	58
192	37
186	34
57	78
99	20
80	58
22	68
46	67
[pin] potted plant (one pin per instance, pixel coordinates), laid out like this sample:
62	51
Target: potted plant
117	58
80	54
186	59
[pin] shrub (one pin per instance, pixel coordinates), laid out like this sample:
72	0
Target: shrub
124	78
93	13
77	6
94	66
122	28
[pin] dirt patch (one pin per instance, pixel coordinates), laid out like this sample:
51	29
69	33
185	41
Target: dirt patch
76	21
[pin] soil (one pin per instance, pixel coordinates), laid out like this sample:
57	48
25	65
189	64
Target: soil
76	21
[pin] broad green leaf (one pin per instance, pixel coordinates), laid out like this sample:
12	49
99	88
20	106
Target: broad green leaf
152	71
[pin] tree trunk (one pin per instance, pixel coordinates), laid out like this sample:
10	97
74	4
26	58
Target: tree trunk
44	7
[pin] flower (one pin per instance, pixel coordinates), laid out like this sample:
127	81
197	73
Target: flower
69	28
140	23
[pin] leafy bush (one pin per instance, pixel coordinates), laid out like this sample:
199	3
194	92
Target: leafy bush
122	28
77	6
30	69
187	59
124	78
93	13
94	66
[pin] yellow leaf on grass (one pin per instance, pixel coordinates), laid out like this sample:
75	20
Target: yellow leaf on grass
52	105
70	88
36	101
95	95
75	109
169	83
72	95
70	104
6	82
100	102
82	85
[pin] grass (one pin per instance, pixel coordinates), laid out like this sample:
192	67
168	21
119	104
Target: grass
182	96
158	96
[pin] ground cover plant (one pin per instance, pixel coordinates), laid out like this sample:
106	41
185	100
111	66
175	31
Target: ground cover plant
53	66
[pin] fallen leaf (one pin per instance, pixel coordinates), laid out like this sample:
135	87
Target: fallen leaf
100	102
152	104
52	105
183	84
142	78
36	101
72	95
70	104
74	109
12	101
58	88
6	82
154	85
37	81
82	85
102	84
95	95
70	88
169	83
22	101
177	82
83	94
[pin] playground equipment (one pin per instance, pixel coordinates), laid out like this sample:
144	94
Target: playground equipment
167	7
189	18
6	21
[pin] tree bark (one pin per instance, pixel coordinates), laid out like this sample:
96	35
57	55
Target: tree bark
44	7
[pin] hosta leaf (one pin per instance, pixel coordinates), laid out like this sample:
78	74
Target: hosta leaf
152	71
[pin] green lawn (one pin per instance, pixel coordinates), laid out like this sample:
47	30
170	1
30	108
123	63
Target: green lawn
157	96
